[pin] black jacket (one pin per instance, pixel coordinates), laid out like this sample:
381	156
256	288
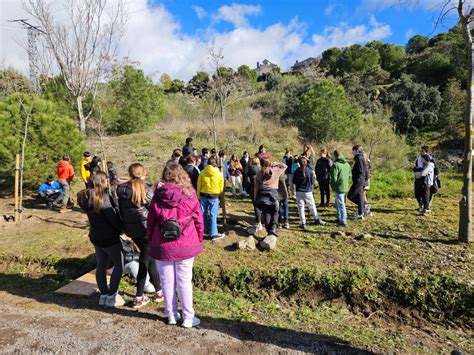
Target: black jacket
288	161
250	174
105	226
359	170
193	174
187	150
323	168
244	164
134	218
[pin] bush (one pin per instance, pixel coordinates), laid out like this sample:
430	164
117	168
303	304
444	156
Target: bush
50	136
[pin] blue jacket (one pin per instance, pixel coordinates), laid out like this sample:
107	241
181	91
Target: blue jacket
45	187
304	183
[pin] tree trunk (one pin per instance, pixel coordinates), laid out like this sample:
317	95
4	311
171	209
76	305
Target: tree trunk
222	109
80	114
214	132
465	204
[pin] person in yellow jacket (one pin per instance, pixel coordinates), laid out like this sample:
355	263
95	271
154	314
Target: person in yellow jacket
85	173
210	185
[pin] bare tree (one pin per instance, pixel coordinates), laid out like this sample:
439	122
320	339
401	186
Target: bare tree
82	47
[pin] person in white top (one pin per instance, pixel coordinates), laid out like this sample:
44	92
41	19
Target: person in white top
427	174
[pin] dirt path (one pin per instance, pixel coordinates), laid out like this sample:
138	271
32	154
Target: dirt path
27	325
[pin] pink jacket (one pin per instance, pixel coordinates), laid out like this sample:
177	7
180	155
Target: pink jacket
170	201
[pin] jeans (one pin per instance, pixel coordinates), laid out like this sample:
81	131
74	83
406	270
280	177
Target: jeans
237	180
211	206
356	195
55	198
66	191
177	275
284	211
146	266
324	190
303	198
114	253
341	207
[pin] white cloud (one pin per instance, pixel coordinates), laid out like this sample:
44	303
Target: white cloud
236	13
409	34
155	39
200	12
330	9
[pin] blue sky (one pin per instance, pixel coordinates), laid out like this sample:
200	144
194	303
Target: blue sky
174	36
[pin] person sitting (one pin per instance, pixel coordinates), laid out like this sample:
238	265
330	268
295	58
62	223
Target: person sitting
51	193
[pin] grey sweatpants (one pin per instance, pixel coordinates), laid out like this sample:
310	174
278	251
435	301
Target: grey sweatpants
114	253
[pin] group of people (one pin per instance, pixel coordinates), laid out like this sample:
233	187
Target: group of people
163	225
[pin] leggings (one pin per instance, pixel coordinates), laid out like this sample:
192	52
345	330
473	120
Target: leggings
146	265
356	195
114	253
324	190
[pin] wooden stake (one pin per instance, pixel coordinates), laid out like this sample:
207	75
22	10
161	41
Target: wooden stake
17	188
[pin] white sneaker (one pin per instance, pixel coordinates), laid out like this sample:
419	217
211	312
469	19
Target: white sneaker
114	300
189	323
102	299
218	236
258	227
173	320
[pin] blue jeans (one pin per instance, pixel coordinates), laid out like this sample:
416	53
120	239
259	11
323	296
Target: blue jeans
209	208
284	212
341	207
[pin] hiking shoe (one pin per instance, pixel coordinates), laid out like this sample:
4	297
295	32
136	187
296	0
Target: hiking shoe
102	299
189	323
140	302
286	225
319	222
65	210
359	216
173	320
114	300
159	296
218	236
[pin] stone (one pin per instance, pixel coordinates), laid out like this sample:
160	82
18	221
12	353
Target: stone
247	244
338	234
269	243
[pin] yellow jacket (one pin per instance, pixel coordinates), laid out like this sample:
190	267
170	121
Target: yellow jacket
210	181
84	172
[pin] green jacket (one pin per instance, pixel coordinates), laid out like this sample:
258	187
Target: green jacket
340	175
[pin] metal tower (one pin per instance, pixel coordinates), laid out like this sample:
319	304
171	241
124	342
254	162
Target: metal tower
33	33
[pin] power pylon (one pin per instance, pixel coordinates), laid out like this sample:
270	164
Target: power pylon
33	33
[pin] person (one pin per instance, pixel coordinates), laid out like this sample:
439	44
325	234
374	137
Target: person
188	148
288	160
309	153
65	173
322	169
426	175
51	193
176	199
85	173
266	193
425	150
192	170
340	174
262	153
235	173
134	199
359	174
112	173
94	165
209	187
244	161
367	180
104	233
252	169
175	157
224	164
204	159
303	179
283	213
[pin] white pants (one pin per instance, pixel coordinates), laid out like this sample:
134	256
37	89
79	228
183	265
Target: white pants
303	198
237	180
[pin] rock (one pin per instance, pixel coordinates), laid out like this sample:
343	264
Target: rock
364	236
247	244
231	234
338	234
269	243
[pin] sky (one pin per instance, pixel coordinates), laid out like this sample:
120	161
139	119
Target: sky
173	36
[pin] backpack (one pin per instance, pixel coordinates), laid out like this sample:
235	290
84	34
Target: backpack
171	228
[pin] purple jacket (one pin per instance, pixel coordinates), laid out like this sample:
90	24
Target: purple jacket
170	201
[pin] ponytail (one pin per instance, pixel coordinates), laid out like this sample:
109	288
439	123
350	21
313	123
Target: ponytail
304	164
136	172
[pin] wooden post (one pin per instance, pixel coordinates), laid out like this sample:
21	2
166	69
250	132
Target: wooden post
17	189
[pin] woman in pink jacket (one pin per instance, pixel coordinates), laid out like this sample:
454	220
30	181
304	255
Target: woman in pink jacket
175	229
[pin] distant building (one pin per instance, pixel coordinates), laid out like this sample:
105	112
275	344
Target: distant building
264	69
303	65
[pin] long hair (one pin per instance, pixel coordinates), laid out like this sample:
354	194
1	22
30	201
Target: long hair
175	174
266	171
358	148
233	157
303	164
255	161
136	172
99	189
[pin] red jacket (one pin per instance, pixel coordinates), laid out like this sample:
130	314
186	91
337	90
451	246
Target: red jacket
65	171
170	201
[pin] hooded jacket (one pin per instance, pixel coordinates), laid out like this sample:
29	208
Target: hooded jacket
323	167
340	175
359	170
85	173
168	202
134	218
65	171
105	226
210	181
304	183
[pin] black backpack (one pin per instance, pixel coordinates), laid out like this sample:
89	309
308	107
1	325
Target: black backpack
171	228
